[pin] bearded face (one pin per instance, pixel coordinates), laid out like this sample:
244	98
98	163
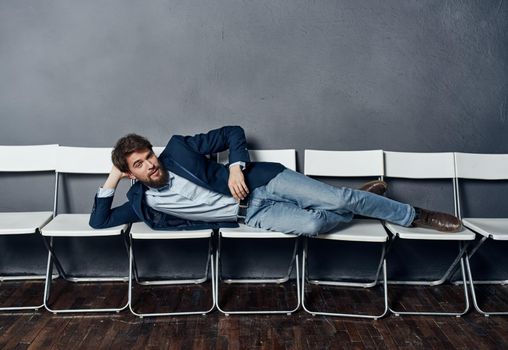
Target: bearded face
145	167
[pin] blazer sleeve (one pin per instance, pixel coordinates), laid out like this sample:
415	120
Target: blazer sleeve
230	138
103	216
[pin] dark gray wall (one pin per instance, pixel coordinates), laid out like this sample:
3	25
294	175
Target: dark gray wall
398	75
348	75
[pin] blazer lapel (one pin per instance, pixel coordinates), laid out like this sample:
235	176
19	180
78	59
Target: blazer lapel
175	167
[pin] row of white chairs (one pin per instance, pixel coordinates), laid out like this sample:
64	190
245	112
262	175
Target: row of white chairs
53	225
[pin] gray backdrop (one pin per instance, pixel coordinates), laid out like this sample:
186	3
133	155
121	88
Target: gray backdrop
345	75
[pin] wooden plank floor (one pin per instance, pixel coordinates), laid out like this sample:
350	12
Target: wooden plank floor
43	330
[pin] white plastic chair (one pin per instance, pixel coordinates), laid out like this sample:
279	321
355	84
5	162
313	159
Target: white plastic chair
488	167
287	157
428	166
77	160
348	164
140	231
25	159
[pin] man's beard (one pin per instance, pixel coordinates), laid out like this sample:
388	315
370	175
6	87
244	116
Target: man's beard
161	181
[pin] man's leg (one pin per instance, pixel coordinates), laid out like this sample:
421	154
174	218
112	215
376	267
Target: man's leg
308	193
288	217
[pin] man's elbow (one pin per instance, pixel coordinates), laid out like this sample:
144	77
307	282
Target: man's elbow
96	224
236	128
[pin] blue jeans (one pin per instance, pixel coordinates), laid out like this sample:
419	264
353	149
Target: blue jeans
294	203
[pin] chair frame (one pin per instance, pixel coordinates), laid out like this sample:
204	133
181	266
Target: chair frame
460	258
485	313
283	279
134	276
32	277
288	158
17	278
376	171
381	268
483	238
54	261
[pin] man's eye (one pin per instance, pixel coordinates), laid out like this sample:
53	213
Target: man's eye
137	165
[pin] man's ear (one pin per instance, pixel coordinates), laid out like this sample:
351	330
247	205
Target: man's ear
132	177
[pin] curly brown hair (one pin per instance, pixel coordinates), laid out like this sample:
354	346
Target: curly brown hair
125	146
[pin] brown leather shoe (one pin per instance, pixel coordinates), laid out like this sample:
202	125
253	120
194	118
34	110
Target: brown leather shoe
436	220
376	186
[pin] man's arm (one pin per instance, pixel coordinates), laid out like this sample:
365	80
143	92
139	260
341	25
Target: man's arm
230	138
102	215
114	178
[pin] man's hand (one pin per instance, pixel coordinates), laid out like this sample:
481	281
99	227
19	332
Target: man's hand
236	183
115	175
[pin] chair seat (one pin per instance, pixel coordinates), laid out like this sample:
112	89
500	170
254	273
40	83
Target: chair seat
76	225
361	230
140	230
495	228
244	231
429	234
23	222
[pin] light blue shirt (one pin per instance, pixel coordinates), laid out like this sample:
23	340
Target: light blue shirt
184	199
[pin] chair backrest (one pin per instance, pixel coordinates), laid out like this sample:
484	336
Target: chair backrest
158	150
28	158
419	165
286	157
344	163
429	166
481	166
84	160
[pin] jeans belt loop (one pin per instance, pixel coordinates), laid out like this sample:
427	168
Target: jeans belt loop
242	211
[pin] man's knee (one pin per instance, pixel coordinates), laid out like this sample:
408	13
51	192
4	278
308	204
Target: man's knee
315	225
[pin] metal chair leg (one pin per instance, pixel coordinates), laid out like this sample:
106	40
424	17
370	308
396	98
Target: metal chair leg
47	289
432	313
473	294
294	260
382	266
40	278
171	282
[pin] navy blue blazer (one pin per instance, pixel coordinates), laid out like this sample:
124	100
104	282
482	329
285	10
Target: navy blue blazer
186	157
